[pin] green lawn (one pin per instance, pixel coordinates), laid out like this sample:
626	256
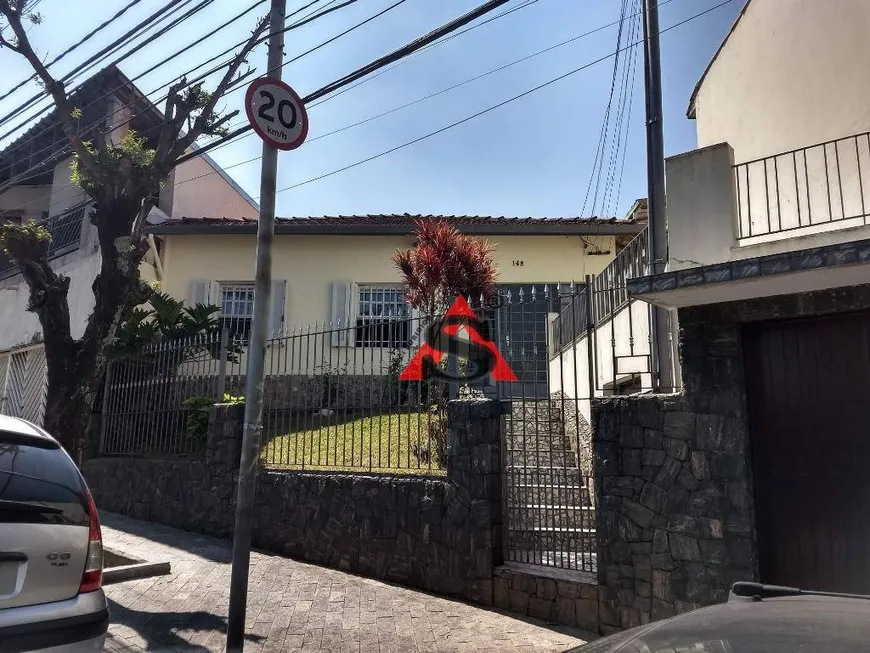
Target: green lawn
377	443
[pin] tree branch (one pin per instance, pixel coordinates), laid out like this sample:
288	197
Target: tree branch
202	120
53	86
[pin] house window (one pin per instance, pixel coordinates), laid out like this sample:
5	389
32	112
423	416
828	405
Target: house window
237	308
384	319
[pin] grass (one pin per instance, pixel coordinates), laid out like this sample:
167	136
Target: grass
390	443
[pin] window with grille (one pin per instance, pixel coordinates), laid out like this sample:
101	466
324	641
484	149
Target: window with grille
383	319
237	308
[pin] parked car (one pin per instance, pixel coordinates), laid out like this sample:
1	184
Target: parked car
756	619
51	551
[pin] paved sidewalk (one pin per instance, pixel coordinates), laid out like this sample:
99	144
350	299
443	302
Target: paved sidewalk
293	606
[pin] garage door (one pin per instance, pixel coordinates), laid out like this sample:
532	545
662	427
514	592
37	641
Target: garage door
808	384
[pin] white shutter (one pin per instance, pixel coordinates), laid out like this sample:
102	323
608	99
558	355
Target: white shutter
200	293
278	305
416	330
342	293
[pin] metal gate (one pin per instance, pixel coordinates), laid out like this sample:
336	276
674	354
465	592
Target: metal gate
548	500
808	385
23	382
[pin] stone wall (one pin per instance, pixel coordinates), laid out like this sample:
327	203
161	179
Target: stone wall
675	514
676	523
553	595
442	535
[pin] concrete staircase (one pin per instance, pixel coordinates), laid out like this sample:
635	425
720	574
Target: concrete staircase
551	519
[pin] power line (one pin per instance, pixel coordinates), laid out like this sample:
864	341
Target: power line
320	92
359	73
598	162
129	34
93	62
431	95
77	44
404	51
23	176
413	102
496	106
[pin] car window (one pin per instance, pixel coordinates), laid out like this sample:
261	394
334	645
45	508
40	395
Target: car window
39	485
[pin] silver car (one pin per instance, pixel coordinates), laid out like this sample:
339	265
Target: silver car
51	551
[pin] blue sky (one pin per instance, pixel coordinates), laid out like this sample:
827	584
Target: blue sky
531	157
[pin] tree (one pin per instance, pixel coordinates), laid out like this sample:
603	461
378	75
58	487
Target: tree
444	263
163	319
123	180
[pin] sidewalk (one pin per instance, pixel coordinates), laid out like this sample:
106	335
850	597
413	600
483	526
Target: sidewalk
293	606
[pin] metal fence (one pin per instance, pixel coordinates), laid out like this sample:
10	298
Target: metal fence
809	186
332	398
157	402
66	232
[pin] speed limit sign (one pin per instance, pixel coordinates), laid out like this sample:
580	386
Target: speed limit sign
276	113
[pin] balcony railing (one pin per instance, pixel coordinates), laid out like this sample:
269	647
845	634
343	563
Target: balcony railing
66	232
805	189
609	293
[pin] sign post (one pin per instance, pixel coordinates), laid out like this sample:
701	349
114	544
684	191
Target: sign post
278	116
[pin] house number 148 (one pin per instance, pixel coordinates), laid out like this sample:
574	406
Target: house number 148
518	263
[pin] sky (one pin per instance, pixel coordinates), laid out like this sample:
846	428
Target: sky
531	157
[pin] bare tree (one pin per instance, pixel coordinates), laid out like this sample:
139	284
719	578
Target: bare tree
123	180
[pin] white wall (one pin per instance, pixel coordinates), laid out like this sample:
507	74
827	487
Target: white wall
64	194
17	326
33	200
629	330
793	73
201	191
705	212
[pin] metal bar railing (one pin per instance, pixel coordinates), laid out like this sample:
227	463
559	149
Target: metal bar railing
66	232
822	183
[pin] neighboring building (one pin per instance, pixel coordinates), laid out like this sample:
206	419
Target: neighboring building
757	470
35	184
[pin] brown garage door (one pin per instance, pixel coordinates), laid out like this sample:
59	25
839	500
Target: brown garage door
808	385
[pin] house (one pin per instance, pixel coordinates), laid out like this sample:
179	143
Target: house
337	272
756	470
35	184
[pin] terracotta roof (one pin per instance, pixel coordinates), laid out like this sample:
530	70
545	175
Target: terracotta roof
398	224
690	112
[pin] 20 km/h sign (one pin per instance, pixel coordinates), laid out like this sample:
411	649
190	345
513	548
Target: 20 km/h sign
276	113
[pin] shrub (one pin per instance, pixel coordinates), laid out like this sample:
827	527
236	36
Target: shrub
197	410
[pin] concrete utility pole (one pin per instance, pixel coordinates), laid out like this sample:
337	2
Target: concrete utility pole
655	164
253	426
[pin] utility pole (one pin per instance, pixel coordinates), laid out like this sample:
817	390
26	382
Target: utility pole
655	162
253	426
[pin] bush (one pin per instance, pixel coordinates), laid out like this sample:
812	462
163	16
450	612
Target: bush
197	410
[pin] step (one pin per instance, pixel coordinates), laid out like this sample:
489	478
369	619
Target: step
522	517
561	494
554	560
535	413
540	458
552	539
542	474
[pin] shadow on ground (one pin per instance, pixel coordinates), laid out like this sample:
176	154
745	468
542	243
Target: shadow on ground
157	629
204	546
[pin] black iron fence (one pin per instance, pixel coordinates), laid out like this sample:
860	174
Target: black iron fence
66	232
814	185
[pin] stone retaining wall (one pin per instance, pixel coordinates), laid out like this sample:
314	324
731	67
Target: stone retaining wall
438	534
553	595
